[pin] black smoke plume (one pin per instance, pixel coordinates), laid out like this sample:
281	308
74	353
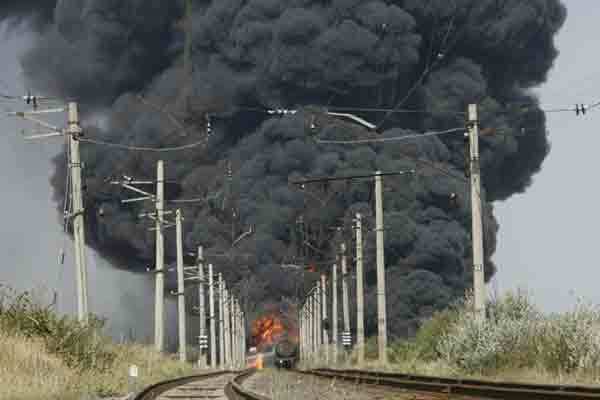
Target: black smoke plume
125	59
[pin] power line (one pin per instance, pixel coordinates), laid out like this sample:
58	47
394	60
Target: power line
345	178
396	111
142	148
392	139
193	200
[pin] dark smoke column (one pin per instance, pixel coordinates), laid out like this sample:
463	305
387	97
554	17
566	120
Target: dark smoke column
248	55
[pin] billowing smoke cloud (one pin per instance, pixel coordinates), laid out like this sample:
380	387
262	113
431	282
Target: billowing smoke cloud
304	54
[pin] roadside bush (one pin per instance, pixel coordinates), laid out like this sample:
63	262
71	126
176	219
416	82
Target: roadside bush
44	355
506	339
571	341
80	346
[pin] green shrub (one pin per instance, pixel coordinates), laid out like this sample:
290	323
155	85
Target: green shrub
80	346
429	334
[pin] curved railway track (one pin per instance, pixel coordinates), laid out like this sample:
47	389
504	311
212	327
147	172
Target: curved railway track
470	388
226	385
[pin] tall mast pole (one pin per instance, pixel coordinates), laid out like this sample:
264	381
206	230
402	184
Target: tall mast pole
476	215
360	300
381	306
334	311
78	222
211	306
180	288
159	318
203	337
221	321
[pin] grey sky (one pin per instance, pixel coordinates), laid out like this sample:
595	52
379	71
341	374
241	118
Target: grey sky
31	236
548	238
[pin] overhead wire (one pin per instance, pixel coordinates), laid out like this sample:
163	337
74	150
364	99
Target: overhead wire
392	139
396	111
144	148
428	67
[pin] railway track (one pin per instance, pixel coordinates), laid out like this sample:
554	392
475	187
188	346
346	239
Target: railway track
226	385
471	388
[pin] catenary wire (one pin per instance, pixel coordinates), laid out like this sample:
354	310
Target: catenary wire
143	148
392	139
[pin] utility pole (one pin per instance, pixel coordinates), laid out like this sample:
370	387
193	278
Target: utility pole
243	339
360	301
211	306
310	327
236	318
334	312
319	316
227	328
75	132
203	340
158	216
221	321
234	331
345	305
180	288
476	215
301	333
316	328
381	310
159	306
324	315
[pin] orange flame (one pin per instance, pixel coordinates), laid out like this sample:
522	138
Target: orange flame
266	330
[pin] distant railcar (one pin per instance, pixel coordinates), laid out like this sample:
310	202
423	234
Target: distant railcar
286	354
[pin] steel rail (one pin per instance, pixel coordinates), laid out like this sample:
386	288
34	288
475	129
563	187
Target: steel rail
233	389
461	386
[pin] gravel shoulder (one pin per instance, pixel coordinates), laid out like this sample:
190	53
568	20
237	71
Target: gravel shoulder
285	385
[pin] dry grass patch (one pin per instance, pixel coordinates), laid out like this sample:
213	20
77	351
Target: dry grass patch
27	371
44	356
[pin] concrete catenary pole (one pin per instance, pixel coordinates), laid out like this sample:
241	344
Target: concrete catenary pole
476	215
75	132
309	327
180	288
334	312
227	327
243	346
234	329
360	301
315	317
211	307
221	295
202	354
319	319
159	306
301	333
324	316
345	305
239	341
381	309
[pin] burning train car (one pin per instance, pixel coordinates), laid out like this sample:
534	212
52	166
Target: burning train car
276	340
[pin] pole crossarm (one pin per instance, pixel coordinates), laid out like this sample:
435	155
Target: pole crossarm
43	135
136	199
27	116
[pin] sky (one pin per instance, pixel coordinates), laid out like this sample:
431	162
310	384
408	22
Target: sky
31	237
547	235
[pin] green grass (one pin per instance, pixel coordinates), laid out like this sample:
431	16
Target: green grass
47	356
516	342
